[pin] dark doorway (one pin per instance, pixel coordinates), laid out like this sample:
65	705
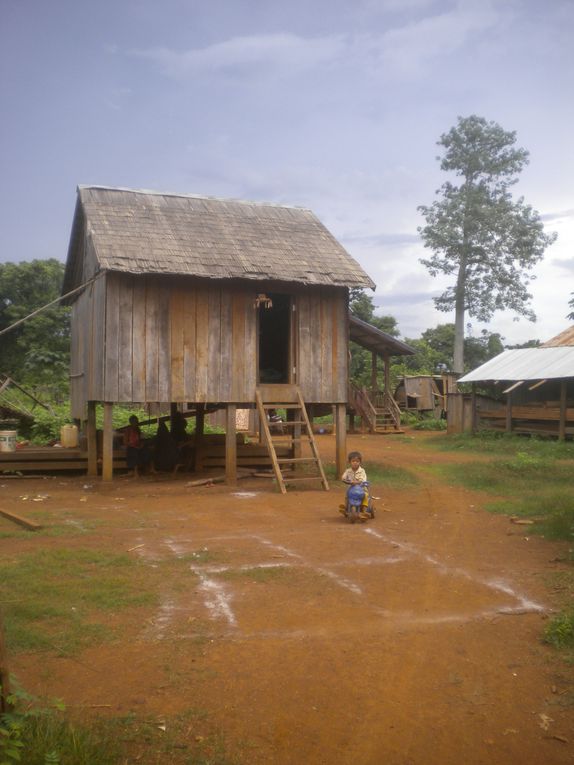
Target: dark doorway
274	339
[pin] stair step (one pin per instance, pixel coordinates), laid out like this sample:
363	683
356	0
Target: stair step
303	478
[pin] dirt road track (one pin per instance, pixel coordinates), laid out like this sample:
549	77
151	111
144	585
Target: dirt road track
414	639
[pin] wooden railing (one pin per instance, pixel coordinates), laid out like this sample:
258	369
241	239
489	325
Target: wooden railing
359	401
393	408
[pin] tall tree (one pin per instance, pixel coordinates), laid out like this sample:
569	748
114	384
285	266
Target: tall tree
477	231
571	304
37	351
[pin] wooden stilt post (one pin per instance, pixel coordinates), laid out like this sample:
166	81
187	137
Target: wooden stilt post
231	445
509	412
472	410
92	438
108	443
563	401
341	438
374	374
199	428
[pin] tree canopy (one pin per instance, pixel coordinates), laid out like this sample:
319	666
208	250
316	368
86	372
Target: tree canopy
37	352
477	232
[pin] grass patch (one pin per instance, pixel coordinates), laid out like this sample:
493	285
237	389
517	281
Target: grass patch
57	599
42	734
384	476
560	631
490	442
516	476
430	424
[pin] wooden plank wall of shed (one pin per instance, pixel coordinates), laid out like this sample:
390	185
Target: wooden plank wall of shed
150	339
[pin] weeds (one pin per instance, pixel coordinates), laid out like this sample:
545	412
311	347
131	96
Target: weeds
560	631
50	597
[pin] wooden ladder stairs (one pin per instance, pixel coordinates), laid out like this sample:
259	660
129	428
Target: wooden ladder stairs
295	432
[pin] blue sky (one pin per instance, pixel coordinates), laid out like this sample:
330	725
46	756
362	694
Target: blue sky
335	105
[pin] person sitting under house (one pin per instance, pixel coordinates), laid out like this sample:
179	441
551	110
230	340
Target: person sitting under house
137	453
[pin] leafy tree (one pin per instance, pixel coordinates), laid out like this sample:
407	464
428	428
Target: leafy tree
361	306
477	231
37	352
571	304
436	347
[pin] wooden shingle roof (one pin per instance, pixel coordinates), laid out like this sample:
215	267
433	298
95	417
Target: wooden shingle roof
142	232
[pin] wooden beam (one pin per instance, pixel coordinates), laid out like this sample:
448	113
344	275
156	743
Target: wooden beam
108	443
30	525
373	372
509	413
513	387
472	409
562	422
92	439
230	445
537	385
341	438
199	430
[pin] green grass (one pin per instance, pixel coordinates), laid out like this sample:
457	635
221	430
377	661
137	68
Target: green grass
57	599
44	735
515	476
430	424
384	476
489	442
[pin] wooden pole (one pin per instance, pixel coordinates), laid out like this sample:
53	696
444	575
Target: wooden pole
563	401
92	438
509	412
230	445
199	428
374	373
108	443
341	438
472	409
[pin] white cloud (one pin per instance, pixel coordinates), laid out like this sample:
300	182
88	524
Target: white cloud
409	48
282	52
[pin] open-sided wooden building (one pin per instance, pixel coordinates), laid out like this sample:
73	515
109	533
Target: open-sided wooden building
532	391
197	301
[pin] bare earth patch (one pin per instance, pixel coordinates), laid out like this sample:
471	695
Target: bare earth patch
290	636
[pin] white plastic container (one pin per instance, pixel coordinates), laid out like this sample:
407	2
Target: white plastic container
8	440
69	436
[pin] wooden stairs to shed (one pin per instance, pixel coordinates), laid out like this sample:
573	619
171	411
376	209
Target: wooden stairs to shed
295	432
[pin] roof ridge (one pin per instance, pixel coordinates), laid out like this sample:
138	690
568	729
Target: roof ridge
151	192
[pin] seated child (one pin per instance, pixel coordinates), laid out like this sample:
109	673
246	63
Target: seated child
355	474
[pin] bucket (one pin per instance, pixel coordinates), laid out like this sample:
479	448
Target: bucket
8	440
69	436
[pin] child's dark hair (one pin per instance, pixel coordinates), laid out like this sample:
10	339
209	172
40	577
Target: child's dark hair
355	456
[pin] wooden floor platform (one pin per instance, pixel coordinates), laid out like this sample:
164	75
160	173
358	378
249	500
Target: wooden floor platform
38	459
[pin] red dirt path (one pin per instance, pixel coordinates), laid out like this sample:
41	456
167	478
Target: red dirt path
297	638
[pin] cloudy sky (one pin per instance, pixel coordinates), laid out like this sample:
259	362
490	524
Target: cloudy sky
335	105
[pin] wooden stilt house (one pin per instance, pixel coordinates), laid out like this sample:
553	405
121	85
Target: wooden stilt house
201	302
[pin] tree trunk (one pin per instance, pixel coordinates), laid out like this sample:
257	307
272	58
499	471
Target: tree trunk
459	320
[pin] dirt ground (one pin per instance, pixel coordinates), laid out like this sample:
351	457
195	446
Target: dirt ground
295	637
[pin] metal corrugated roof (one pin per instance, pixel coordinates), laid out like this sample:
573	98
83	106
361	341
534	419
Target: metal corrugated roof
143	232
526	364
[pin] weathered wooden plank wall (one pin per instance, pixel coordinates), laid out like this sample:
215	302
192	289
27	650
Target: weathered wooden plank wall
150	339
